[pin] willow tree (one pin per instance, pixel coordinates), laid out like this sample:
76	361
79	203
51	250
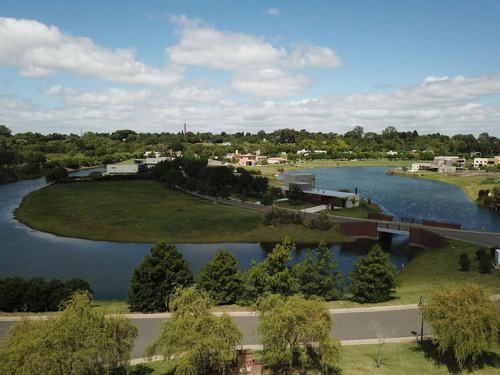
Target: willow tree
464	321
295	333
80	341
200	342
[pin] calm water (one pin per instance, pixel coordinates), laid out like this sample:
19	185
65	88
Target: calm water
108	265
409	197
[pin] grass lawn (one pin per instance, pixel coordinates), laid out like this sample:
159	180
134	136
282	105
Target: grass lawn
399	358
303	164
360	212
470	183
432	268
144	211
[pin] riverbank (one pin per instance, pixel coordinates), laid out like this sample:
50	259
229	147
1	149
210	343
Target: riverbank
470	181
146	212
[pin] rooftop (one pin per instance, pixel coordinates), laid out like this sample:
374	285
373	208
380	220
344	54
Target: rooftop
329	193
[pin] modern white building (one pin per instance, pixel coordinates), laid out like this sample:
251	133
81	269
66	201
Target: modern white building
415	167
480	162
447	164
114	169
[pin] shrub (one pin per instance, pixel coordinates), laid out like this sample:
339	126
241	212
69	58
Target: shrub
485	264
480	253
464	261
275	215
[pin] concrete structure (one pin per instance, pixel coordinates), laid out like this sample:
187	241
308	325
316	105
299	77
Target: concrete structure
307	178
447	164
158	159
246	159
115	169
246	364
332	198
216	163
497	256
276	160
415	167
480	162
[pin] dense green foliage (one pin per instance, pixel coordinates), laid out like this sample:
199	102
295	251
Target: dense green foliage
317	275
26	154
201	342
37	295
194	175
158	276
221	278
374	277
80	341
464	321
295	333
273	275
464	261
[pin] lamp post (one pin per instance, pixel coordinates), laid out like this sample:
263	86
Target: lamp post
421	304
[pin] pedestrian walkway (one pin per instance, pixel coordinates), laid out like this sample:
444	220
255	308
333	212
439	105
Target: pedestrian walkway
312	210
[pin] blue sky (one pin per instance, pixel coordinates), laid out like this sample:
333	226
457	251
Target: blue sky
430	66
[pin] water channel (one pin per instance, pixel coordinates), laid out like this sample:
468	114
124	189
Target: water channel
107	266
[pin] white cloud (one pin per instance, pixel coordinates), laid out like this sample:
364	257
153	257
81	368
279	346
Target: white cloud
448	106
222	50
270	83
307	54
273	11
39	51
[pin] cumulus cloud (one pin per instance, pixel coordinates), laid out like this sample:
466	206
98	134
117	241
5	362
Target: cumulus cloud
38	50
270	83
259	68
208	109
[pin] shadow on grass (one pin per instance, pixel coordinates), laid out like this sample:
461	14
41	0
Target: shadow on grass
431	353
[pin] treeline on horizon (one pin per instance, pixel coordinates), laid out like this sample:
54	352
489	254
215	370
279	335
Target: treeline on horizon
25	154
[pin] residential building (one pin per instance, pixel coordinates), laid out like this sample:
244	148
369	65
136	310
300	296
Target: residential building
276	160
246	364
415	167
447	164
116	169
246	159
480	162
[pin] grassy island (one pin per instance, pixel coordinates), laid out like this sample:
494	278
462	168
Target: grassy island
144	211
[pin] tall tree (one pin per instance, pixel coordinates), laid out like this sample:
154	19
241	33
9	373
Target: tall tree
201	342
81	340
317	274
273	275
374	277
157	277
464	321
221	278
296	333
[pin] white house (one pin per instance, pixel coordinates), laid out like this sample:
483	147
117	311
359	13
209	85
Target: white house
479	162
114	169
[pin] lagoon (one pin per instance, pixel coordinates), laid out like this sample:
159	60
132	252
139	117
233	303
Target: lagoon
107	266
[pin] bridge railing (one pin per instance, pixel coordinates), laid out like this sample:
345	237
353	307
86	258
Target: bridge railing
394	226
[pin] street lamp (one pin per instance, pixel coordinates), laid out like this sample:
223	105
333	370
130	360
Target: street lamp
421	304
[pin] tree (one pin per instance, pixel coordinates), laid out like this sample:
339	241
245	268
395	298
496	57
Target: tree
296	333
272	275
464	321
157	277
56	174
317	274
201	342
5	131
374	277
82	340
221	278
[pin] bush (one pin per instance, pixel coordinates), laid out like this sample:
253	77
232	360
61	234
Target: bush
275	216
480	253
485	263
464	261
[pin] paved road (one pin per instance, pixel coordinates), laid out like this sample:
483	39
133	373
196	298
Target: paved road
350	324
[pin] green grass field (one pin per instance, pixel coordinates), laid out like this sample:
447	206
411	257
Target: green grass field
144	211
470	183
397	359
